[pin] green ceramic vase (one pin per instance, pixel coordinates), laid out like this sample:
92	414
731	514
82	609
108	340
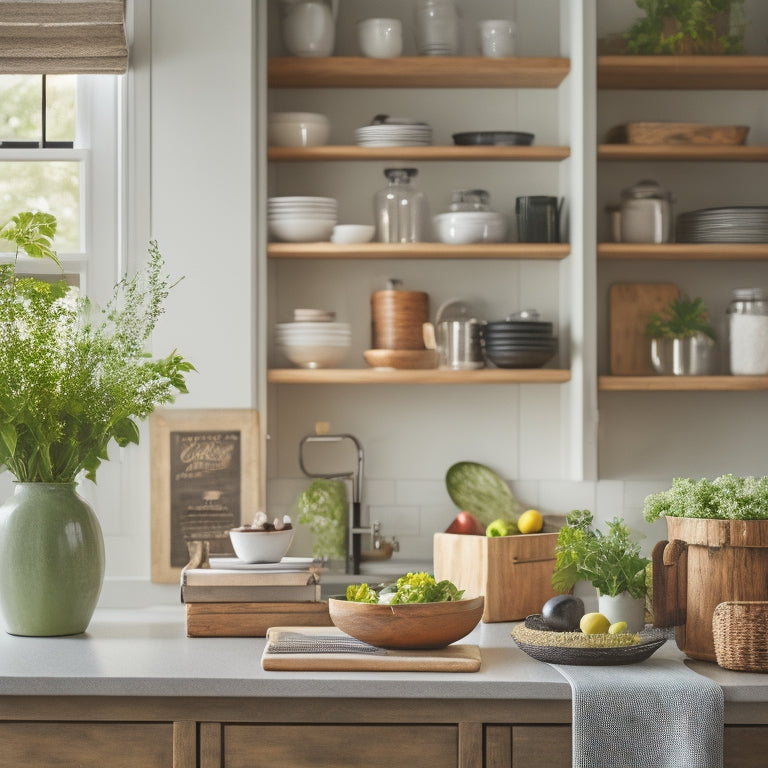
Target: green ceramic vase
51	560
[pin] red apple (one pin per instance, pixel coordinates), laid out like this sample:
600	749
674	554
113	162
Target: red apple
466	522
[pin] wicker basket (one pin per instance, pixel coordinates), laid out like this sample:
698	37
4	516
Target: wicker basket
740	630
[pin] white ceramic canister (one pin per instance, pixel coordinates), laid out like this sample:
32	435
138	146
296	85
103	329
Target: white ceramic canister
748	332
646	214
309	26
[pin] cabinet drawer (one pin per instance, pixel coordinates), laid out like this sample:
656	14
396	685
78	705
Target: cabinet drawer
541	746
745	746
86	745
339	746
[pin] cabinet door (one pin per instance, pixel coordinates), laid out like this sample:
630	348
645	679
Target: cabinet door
339	746
745	746
86	745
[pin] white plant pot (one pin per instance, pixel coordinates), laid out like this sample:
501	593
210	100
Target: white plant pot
623	607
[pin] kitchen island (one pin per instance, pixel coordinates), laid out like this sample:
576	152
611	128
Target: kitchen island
135	691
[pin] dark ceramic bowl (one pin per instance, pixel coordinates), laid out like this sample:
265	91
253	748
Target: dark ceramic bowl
496	138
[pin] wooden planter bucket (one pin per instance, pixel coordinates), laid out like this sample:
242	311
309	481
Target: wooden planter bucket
704	563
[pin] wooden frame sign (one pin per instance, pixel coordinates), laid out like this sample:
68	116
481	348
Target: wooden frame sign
205	480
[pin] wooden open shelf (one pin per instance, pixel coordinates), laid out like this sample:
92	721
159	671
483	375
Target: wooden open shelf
417	72
752	153
453	153
682	383
682	72
683	251
431	376
531	251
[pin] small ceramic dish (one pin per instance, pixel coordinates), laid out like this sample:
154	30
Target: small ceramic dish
497	138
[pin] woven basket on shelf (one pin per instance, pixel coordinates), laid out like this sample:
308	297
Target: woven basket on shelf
740	629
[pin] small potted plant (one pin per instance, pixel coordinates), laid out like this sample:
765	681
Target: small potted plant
610	561
683	341
75	378
685	27
717	552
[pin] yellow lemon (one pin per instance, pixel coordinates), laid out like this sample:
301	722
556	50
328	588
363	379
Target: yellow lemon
594	624
530	521
617	628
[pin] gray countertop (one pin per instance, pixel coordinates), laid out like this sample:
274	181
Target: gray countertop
128	652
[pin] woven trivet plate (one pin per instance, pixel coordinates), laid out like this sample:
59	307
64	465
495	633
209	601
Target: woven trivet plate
650	641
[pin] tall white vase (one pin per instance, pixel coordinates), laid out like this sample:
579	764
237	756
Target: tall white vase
623	607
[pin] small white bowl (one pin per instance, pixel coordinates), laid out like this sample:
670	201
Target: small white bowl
301	230
352	233
298	129
464	227
253	546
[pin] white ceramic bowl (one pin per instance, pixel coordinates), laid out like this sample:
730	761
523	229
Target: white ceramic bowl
464	227
301	230
315	355
380	38
298	129
252	546
352	233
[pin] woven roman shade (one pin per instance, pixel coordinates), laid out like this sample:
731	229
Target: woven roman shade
43	37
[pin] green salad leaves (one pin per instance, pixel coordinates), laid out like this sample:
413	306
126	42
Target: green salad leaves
611	561
411	588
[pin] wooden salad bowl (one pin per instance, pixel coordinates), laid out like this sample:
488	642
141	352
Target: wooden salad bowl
410	626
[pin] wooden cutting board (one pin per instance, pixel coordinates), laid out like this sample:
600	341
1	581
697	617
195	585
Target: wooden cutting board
454	658
630	305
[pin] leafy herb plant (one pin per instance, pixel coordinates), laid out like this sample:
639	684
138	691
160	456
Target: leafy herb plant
687	27
681	318
726	497
75	377
323	507
611	561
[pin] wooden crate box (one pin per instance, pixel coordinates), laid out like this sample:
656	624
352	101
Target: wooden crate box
514	573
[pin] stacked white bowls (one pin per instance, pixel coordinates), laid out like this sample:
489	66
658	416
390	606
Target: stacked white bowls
302	219
315	341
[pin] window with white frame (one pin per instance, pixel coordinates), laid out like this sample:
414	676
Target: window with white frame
51	129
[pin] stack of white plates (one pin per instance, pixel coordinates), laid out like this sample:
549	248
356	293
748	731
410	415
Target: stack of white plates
410	134
314	344
737	224
302	219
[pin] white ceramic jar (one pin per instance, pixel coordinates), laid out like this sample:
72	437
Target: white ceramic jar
646	214
748	332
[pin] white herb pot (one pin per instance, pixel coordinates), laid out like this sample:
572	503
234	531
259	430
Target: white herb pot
623	607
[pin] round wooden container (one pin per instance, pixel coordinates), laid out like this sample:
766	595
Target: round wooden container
705	563
397	319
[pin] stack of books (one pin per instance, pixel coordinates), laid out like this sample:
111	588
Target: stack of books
236	599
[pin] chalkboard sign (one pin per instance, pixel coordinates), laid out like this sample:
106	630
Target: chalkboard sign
204	482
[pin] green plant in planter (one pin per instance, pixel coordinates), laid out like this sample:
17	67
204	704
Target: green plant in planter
610	561
687	27
726	497
681	318
75	377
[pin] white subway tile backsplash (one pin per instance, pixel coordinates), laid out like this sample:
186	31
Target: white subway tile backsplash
395	521
411	492
558	497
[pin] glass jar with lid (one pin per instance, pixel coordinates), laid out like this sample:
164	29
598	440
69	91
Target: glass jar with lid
437	27
400	210
646	213
747	316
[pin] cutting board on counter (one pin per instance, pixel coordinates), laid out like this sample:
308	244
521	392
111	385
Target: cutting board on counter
454	658
630	305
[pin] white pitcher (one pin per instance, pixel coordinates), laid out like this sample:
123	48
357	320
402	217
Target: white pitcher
309	26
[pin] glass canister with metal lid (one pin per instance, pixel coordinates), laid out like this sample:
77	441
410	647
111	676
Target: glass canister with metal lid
646	213
747	316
